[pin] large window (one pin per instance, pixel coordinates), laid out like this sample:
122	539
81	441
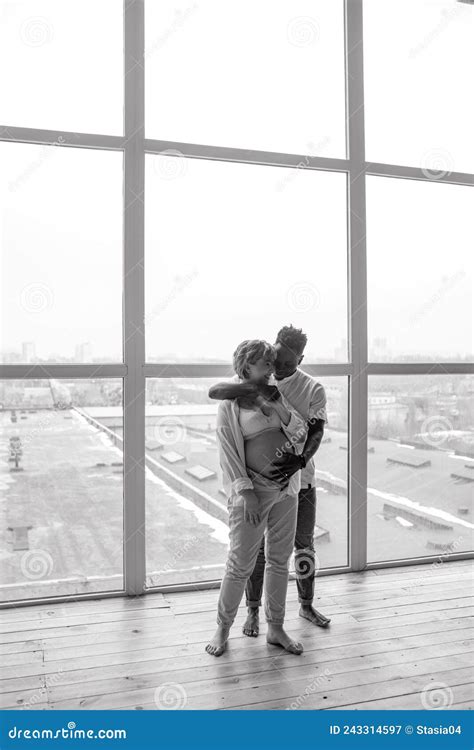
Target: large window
61	282
231	268
418	65
179	176
65	65
263	75
421	450
420	271
61	482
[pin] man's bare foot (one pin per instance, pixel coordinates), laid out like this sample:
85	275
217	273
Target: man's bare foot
218	644
251	625
309	613
277	636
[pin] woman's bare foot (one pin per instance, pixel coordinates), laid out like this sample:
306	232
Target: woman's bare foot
251	625
311	614
277	636
218	644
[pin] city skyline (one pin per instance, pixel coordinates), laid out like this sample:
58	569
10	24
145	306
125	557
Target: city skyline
379	352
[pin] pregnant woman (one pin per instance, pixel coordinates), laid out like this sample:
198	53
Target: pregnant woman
250	436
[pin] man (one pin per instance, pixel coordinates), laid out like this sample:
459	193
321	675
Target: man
308	398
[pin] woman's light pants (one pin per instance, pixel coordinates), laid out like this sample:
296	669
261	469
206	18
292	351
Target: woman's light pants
278	523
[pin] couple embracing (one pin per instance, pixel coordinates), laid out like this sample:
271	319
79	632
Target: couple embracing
267	435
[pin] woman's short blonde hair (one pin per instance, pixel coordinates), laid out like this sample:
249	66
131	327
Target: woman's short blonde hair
249	352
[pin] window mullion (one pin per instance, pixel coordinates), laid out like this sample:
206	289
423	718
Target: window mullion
357	285
133	299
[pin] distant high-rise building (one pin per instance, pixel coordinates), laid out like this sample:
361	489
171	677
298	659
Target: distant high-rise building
83	352
28	352
10	357
378	350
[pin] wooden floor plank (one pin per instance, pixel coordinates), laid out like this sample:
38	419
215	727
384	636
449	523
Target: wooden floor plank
208	668
19	647
140	642
197	683
462	699
393	632
441	563
194	655
349	582
116	642
410	688
329	692
89	607
97	630
339	638
57	622
358	601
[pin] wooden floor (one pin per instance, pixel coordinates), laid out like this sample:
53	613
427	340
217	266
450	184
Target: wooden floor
399	638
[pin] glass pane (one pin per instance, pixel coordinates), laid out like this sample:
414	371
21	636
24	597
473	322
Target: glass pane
420	270
236	251
418	70
263	75
61	487
63	58
186	509
421	466
61	250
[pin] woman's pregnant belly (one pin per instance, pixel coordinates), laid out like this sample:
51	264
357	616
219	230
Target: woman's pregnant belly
262	449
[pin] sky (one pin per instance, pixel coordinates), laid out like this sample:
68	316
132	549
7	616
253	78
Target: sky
235	251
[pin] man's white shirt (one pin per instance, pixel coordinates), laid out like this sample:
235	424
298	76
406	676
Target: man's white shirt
308	398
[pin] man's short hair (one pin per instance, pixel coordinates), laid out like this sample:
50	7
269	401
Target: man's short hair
249	352
293	338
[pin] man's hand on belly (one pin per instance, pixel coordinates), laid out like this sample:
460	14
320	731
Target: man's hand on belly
285	466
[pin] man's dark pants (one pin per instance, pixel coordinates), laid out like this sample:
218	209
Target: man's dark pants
304	554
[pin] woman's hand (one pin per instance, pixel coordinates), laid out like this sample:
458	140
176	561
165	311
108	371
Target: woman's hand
270	392
251	507
268	406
